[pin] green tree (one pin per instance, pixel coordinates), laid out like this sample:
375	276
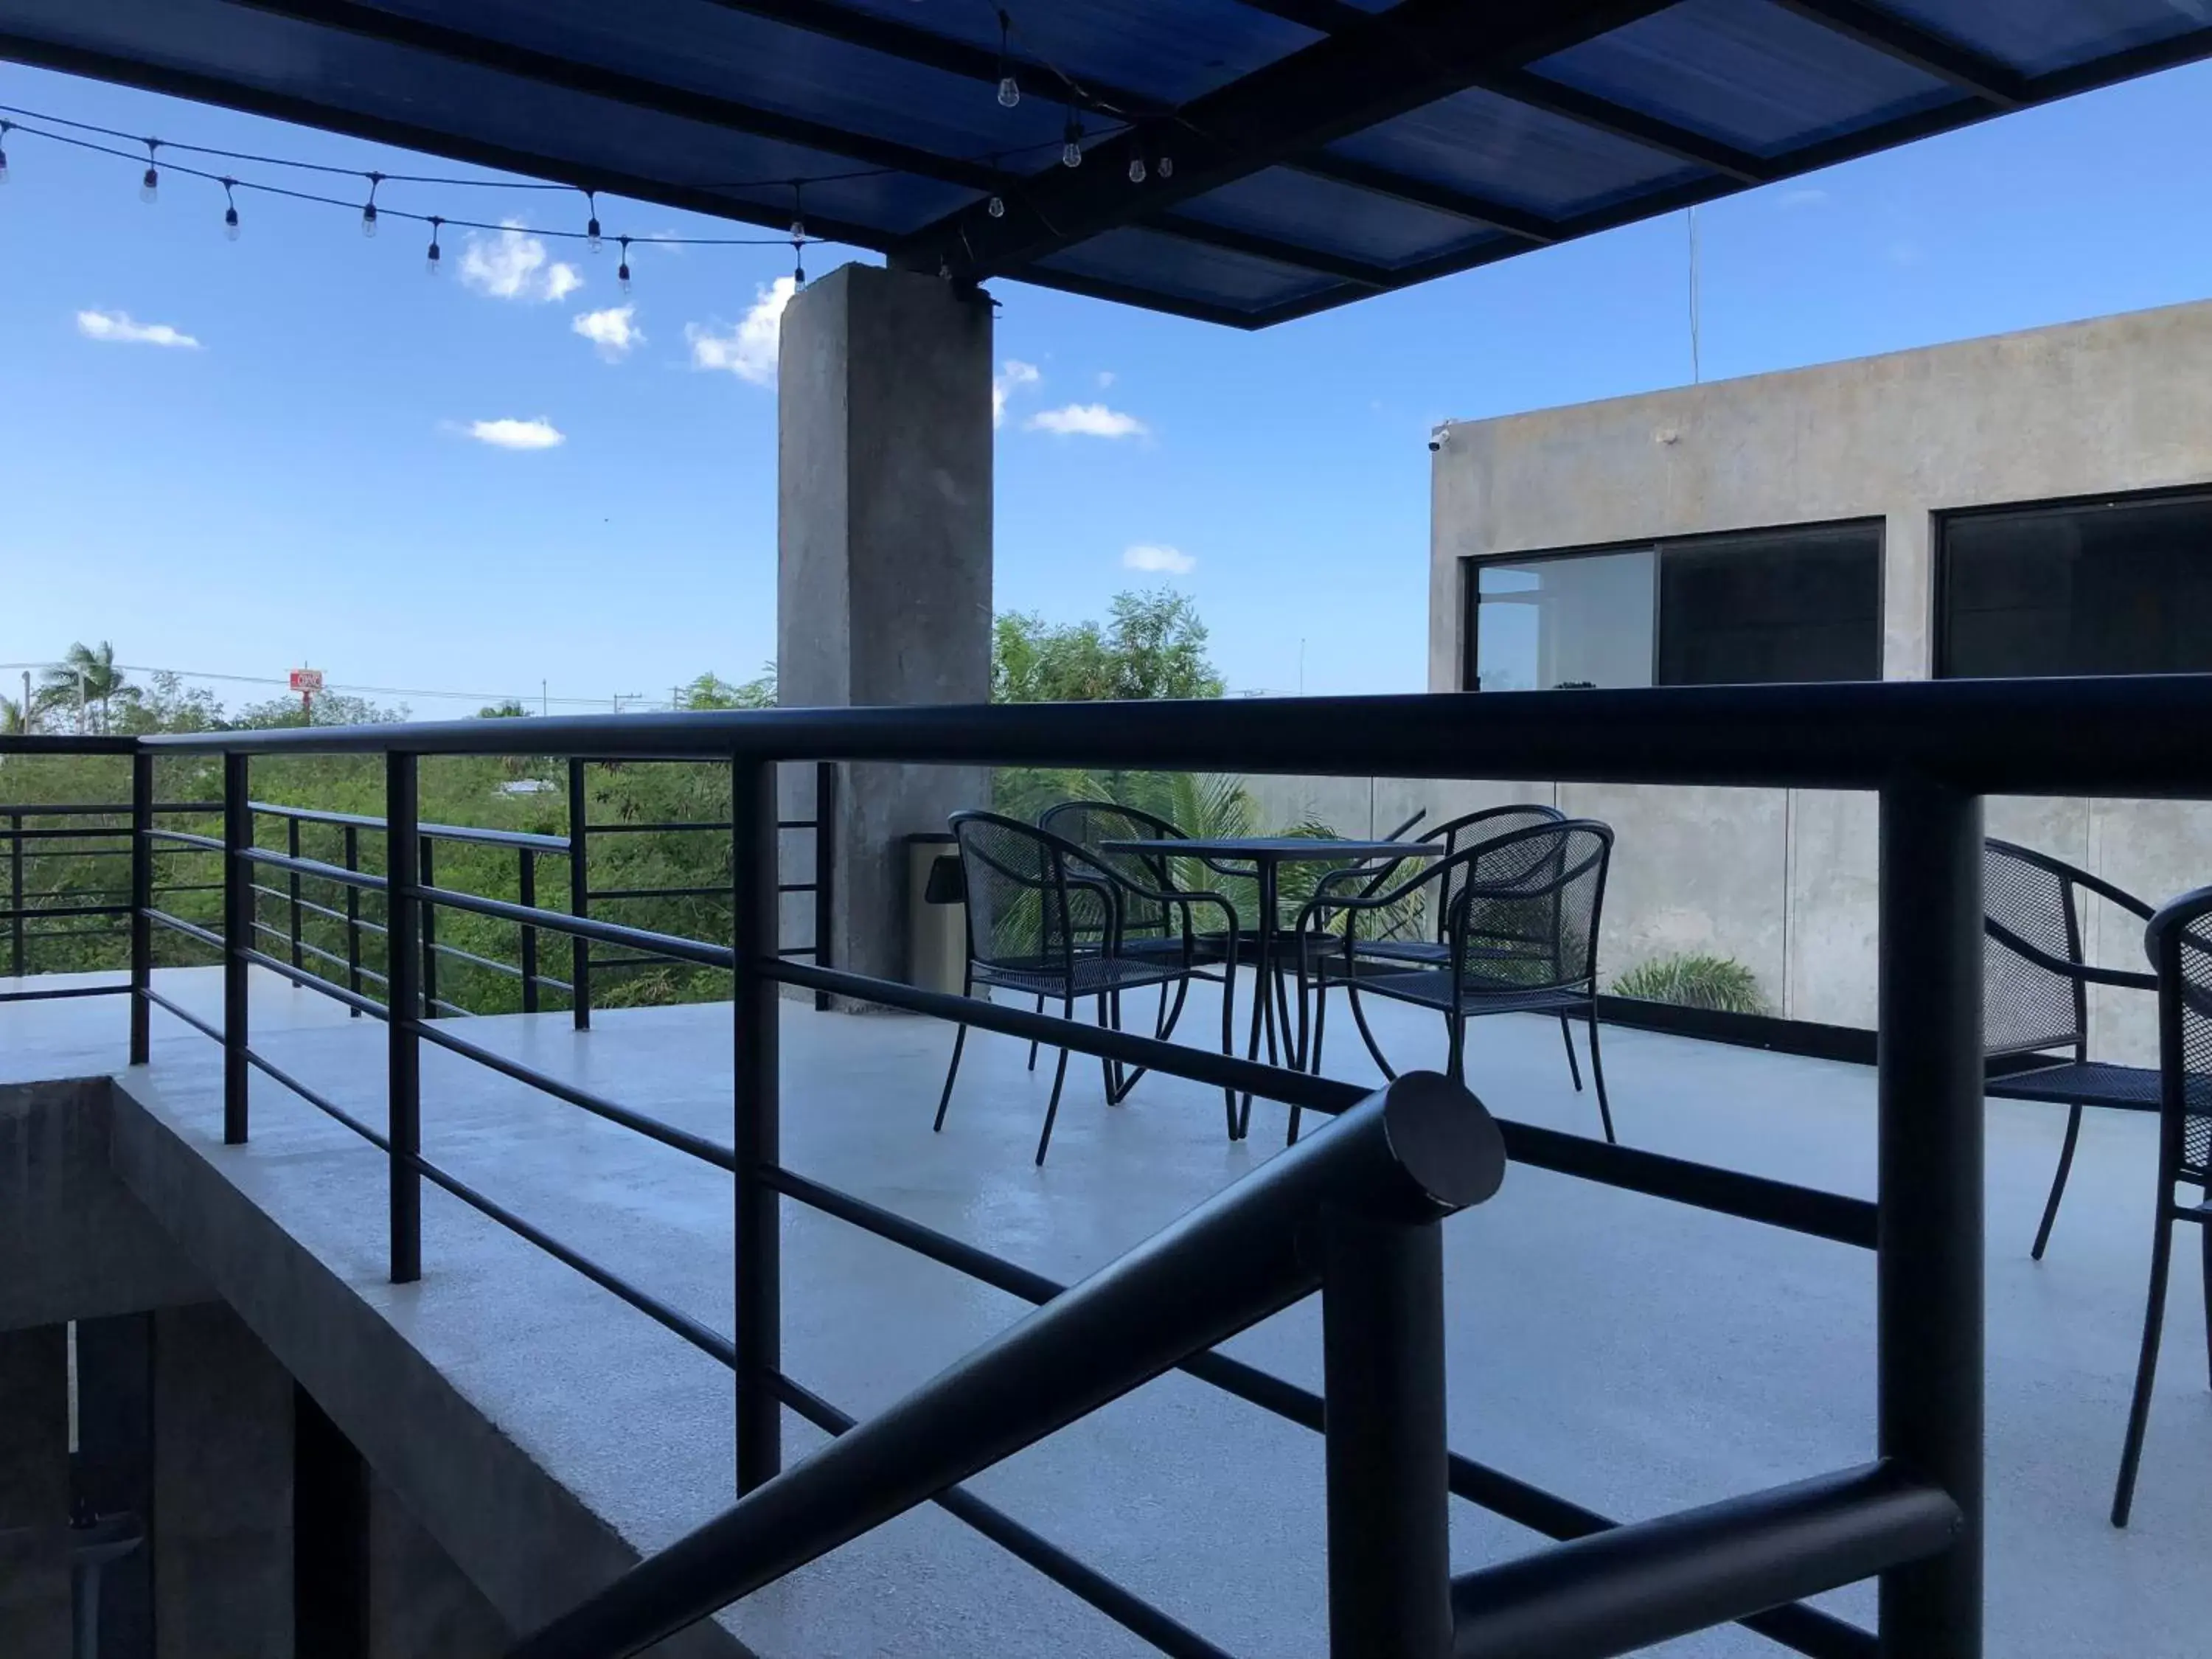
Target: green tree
11	718
86	680
710	690
510	710
1153	646
169	706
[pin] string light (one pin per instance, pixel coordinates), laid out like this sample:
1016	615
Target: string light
430	260
368	207
997	209
592	224
230	210
1137	168
150	187
1010	90
1070	148
1165	166
622	271
4	126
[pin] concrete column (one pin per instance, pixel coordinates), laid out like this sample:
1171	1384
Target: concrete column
419	1603
34	1491
1908	595
221	1529
884	557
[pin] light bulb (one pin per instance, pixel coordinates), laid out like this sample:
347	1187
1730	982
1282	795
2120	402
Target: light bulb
150	187
997	209
369	219
622	273
1136	169
430	260
1010	92
1071	154
798	230
592	235
1165	166
3	165
230	223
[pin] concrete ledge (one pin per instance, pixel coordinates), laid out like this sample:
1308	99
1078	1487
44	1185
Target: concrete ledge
523	1538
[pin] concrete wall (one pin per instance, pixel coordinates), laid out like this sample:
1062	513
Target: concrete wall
1783	881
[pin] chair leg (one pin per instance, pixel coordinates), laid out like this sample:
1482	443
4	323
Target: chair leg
2204	1232
2161	1252
959	1042
1033	1048
1320	1029
1109	1019
1456	1059
2057	1181
1374	1048
1597	1077
1059	1077
1229	1042
1567	1036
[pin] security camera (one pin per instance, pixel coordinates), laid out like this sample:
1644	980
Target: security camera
1437	436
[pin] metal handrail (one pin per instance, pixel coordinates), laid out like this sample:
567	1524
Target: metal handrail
554	844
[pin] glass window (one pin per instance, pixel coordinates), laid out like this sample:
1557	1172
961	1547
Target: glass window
1769	605
2105	587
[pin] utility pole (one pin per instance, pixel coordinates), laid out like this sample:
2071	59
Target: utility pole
544	699
27	725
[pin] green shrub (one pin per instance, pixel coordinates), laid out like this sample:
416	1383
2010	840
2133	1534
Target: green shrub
1692	979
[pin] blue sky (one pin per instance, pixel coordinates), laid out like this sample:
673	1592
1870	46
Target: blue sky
305	484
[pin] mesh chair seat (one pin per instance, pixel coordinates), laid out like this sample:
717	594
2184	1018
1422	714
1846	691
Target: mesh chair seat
2092	1083
1474	994
1091	973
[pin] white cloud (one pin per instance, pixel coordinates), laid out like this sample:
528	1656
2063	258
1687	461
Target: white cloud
749	349
1805	197
613	331
1010	379
117	325
1089	420
1153	557
536	434
1105	378
513	264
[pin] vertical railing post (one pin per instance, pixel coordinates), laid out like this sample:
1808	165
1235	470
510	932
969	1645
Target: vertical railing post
825	866
526	888
1929	1290
403	1006
15	892
754	998
353	915
426	920
1382	1357
579	893
292	849
142	901
237	940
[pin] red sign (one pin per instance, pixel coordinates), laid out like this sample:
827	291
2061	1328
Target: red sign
307	680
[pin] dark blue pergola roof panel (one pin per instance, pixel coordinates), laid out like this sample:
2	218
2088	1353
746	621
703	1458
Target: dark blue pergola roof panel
1244	161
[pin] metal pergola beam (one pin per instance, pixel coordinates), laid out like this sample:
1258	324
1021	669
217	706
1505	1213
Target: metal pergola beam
1530	229
1971	71
1418	53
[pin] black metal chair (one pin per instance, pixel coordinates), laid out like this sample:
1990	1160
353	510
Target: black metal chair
2179	941
2035	998
1521	916
1045	918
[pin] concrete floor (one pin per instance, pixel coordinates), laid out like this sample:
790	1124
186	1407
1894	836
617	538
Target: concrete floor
1634	1355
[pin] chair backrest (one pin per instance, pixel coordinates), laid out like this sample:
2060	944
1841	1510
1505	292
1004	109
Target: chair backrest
2027	899
1528	904
2179	941
1472	829
1032	896
1090	823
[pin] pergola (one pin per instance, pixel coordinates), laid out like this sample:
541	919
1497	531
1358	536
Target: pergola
1295	155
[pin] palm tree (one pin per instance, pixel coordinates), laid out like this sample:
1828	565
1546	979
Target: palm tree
11	718
88	676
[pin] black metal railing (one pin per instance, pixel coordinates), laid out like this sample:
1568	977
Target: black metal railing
1913	1517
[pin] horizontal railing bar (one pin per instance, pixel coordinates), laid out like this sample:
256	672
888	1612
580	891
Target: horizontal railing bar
2114	735
671	829
1644	1583
205	1028
1833	1216
28	913
331	911
313	867
1805	1629
119	832
682	1140
308	947
301	976
432	831
1301	1089
80	809
43	743
604	932
1087	1584
316	1099
62	992
190	930
185	838
598	963
453	1008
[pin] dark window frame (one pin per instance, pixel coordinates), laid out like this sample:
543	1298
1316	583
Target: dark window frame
1940	648
1471	565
